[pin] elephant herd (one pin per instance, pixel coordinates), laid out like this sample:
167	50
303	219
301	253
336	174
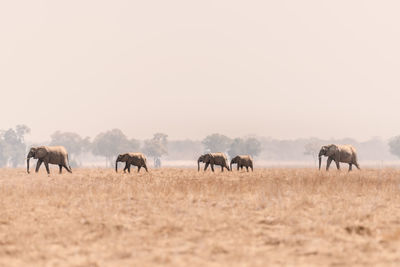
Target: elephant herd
220	159
58	155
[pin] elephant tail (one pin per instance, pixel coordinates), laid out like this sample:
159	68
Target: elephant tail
355	158
69	166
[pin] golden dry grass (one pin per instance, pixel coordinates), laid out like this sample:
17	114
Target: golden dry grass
178	217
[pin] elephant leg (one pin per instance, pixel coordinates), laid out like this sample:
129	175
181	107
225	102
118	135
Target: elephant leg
251	166
247	168
38	165
129	168
126	167
138	169
337	164
222	168
350	167
212	167
46	164
238	166
67	168
145	167
206	166
328	163
60	166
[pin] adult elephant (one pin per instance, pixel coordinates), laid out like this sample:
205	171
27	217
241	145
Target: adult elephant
243	161
213	159
339	153
136	159
57	155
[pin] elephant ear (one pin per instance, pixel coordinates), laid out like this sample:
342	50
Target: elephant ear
41	152
32	150
333	150
337	153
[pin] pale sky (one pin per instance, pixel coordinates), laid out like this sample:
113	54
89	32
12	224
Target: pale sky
284	69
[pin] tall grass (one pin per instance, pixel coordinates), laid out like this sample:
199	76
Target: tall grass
181	217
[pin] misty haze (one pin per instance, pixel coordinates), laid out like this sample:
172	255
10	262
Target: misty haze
96	151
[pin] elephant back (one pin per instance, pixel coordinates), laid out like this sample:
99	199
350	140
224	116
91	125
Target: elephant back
137	158
136	155
347	153
56	149
245	160
57	154
246	157
219	157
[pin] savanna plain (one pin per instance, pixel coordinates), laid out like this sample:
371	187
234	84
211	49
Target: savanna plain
181	217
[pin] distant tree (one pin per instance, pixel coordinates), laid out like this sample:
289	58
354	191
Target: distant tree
13	145
312	149
21	131
87	144
112	143
250	146
394	145
3	153
74	144
375	149
238	147
253	147
216	143
156	148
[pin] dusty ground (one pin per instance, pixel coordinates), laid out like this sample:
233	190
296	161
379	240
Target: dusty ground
178	217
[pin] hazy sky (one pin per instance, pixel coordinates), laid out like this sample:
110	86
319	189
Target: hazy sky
284	69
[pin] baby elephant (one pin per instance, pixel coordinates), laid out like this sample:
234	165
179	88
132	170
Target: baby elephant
213	159
136	159
243	161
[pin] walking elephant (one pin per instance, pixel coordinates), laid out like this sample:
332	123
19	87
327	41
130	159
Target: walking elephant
57	155
136	159
339	153
213	159
243	161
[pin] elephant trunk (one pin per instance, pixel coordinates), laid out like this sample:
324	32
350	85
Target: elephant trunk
320	159
27	164
116	166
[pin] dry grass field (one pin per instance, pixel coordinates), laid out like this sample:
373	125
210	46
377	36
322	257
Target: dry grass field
179	217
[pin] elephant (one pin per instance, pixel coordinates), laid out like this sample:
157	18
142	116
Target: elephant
49	155
243	161
136	159
339	153
213	159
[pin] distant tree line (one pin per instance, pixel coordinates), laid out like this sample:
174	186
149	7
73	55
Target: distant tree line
237	146
109	144
12	146
271	149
